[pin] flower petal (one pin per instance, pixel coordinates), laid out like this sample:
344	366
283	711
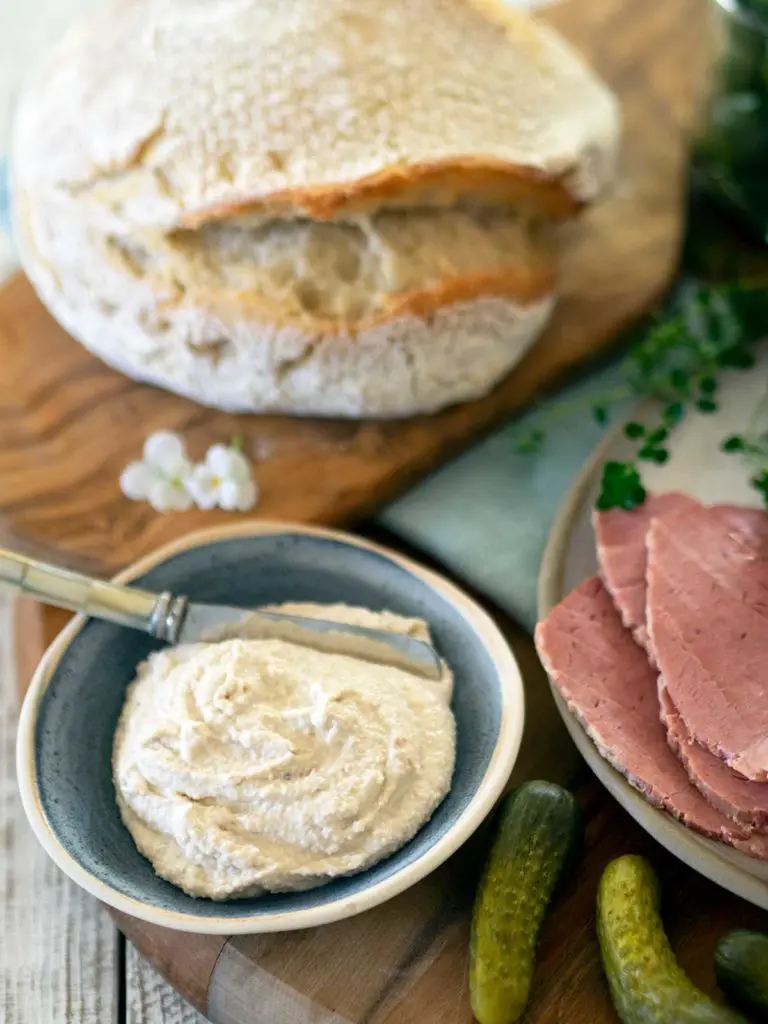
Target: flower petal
165	452
227	462
217	459
202	486
165	496
181	499
248	495
239	466
136	480
238	495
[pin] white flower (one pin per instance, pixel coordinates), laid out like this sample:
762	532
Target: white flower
160	477
224	479
167	479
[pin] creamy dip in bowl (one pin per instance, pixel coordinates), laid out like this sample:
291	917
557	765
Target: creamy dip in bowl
70	716
249	765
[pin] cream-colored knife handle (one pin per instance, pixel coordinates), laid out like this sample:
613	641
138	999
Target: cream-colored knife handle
158	614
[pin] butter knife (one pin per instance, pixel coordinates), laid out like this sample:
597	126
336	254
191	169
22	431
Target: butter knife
176	620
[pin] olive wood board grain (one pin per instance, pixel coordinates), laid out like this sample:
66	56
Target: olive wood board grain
406	962
68	424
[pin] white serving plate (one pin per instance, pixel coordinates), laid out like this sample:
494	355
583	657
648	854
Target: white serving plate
697	467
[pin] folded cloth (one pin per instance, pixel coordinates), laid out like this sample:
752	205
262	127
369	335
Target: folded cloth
487	514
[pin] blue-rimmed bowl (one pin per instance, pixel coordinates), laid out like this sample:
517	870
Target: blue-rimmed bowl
71	709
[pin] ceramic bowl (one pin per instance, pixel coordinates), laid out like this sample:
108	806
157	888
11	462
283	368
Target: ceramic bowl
71	708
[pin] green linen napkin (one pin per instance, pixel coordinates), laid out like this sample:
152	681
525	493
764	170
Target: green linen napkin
487	514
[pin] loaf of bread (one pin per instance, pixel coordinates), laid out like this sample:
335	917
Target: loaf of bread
337	207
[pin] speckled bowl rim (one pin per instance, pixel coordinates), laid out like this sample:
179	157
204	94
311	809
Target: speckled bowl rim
490	788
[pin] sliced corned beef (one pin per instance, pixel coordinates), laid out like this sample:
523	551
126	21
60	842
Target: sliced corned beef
739	799
707	613
622	549
609	684
620	537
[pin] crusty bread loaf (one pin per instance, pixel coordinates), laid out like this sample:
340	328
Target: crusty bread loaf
318	206
399	313
176	110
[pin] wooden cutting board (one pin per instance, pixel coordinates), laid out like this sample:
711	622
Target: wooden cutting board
68	424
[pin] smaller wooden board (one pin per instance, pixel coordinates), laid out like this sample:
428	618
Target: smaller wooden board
68	424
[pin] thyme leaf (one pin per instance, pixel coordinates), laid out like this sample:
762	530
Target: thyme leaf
679	360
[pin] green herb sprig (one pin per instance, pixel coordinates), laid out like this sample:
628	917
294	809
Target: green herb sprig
678	360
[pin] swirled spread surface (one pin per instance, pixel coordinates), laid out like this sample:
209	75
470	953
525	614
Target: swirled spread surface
247	766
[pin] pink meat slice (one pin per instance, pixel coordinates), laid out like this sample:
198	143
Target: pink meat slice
623	553
610	686
620	537
707	609
739	799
